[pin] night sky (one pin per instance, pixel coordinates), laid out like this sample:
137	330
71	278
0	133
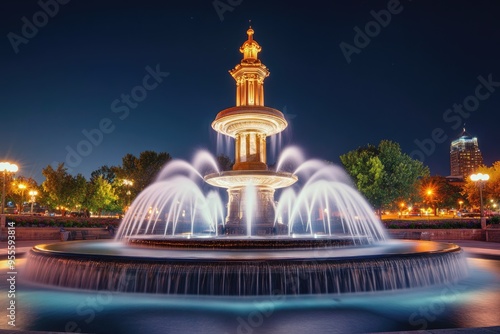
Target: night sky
69	76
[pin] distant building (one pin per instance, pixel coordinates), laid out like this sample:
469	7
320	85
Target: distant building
465	156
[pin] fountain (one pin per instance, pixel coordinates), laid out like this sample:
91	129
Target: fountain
175	239
318	239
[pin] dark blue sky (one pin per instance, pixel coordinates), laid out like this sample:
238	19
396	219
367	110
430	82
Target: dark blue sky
64	79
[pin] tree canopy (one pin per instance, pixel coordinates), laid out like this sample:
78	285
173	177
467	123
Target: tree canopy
62	189
437	191
384	174
491	188
101	196
140	171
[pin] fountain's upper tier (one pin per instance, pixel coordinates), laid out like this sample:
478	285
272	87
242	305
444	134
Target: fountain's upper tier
255	119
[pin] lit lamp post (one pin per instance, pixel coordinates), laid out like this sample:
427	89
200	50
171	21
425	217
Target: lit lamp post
6	167
33	194
429	193
22	187
128	184
460	208
480	179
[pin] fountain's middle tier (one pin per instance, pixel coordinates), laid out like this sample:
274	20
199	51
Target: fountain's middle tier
245	178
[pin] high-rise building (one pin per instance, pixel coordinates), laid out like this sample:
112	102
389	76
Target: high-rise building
465	156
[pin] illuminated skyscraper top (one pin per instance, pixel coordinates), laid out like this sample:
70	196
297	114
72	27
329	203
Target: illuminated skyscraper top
465	156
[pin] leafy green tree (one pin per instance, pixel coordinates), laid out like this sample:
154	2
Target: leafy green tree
106	172
101	196
19	191
367	171
383	174
141	171
62	189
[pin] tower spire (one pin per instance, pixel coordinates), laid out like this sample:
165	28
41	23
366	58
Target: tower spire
249	74
250	48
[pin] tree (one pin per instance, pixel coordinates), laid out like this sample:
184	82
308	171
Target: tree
367	170
491	188
106	172
140	170
101	196
20	188
62	189
383	174
437	192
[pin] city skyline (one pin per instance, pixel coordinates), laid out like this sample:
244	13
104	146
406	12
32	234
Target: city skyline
86	84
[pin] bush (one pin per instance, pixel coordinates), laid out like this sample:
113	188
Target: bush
34	221
433	224
494	220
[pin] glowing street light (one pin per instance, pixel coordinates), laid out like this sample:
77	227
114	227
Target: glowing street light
6	167
429	193
480	179
21	186
128	184
33	194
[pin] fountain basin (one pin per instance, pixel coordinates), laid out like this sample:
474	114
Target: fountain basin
253	271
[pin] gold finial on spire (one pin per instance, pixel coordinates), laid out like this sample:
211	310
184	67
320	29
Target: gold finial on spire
250	33
250	48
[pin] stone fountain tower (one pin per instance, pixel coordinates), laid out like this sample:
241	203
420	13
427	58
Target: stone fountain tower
250	123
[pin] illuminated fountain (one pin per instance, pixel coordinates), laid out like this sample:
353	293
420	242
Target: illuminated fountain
177	239
250	123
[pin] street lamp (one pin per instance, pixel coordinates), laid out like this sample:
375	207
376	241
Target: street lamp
429	193
33	194
6	167
480	179
22	187
128	184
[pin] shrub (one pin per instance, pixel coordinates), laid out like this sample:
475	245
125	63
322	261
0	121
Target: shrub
433	224
494	220
34	221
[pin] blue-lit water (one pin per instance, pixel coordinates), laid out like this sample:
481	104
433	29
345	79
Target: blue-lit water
472	302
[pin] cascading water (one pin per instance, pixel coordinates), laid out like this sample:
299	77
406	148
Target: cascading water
326	205
179	238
